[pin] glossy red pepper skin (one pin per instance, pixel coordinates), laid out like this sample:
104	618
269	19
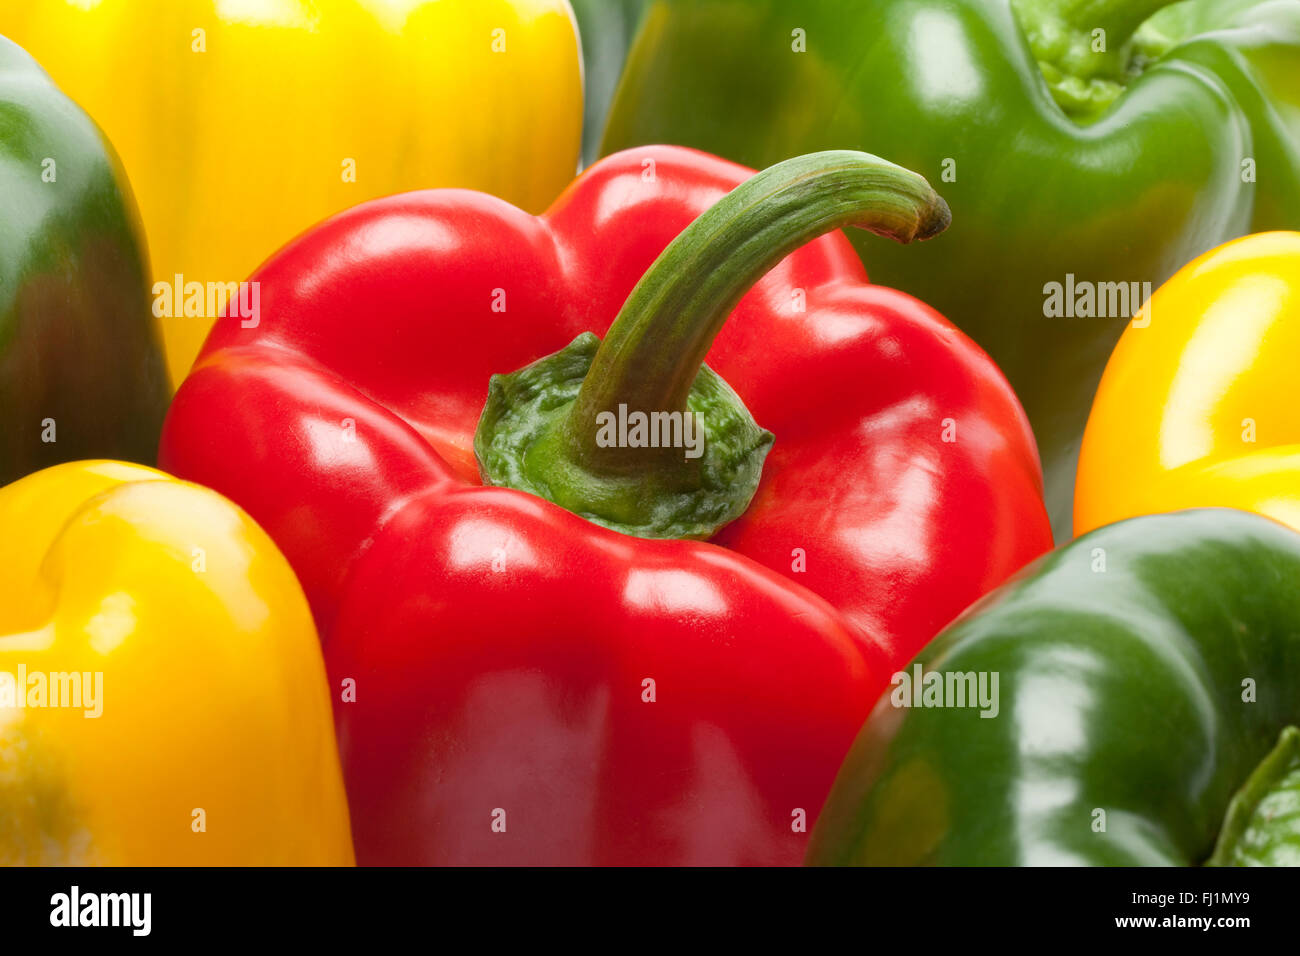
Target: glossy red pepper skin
499	644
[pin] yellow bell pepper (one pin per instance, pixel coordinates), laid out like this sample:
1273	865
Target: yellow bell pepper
162	692
1197	407
243	122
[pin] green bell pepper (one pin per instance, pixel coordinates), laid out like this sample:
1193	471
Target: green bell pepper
1145	674
1093	144
81	368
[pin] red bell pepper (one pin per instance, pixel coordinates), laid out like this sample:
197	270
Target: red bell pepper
520	684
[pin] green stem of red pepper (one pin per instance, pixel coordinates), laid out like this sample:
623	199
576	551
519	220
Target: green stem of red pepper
557	428
656	345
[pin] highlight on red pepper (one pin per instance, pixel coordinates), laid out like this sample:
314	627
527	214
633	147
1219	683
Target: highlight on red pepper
621	652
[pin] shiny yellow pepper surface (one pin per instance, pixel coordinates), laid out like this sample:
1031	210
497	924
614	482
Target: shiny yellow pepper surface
1200	402
243	122
162	692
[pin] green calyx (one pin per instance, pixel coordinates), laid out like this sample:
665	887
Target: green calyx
522	436
635	433
1262	825
1090	50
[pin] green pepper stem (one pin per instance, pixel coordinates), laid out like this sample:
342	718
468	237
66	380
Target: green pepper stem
1266	778
1119	18
657	343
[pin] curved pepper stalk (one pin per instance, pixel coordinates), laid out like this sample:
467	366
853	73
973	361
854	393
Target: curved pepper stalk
692	457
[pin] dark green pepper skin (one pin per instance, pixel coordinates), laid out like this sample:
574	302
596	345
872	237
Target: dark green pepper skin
80	357
952	89
1125	663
